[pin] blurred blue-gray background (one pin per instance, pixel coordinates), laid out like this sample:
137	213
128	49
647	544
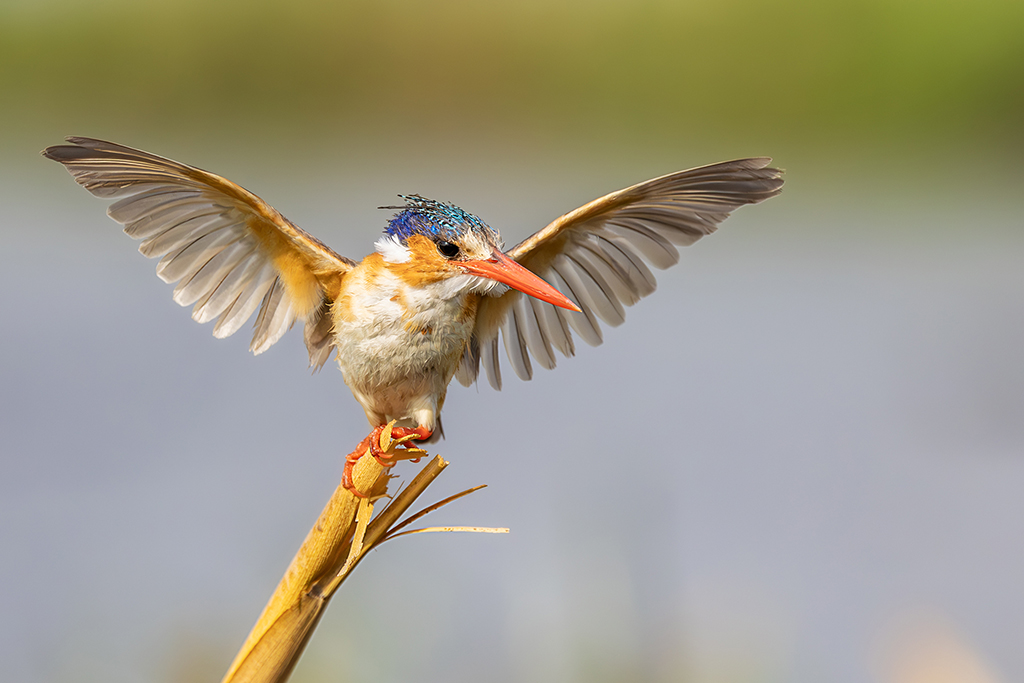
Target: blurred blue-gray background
800	460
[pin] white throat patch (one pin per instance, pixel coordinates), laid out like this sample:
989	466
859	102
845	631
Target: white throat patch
392	249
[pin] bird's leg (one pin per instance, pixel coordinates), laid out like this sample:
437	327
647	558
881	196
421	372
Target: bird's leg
404	435
352	458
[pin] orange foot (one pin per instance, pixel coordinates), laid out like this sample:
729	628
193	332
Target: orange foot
385	459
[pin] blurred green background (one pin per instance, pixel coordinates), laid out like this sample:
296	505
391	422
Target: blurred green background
838	371
860	77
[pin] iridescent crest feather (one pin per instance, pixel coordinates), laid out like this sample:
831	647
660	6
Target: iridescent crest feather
434	219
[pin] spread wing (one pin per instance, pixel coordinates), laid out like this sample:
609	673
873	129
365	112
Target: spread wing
230	252
598	256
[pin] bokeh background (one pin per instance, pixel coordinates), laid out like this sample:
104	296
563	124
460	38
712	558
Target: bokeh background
801	460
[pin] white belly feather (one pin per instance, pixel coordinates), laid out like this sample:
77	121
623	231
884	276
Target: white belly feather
398	349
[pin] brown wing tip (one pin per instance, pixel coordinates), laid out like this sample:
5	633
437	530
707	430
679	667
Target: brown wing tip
94	148
67	154
78	149
772	177
758	164
54	152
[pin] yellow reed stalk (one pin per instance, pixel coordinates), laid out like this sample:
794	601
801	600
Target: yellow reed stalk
341	537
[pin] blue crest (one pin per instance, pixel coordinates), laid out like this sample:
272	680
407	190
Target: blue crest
433	219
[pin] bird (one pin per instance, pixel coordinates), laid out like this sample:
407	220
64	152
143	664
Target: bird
431	301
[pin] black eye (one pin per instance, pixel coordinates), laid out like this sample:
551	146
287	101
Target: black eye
447	249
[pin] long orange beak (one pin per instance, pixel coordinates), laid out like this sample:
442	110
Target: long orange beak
506	271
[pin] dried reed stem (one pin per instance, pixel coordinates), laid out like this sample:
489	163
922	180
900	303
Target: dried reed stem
337	542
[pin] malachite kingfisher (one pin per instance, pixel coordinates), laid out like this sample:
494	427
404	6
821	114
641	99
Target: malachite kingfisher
429	303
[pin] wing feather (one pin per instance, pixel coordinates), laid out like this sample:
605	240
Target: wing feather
228	289
183	232
320	339
655	248
599	255
530	334
211	275
584	323
490	361
515	346
150	211
230	252
615	278
188	261
245	304
275	318
602	296
545	353
637	273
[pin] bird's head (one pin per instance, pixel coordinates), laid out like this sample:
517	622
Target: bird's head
430	242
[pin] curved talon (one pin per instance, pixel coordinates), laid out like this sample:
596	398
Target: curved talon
400	436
